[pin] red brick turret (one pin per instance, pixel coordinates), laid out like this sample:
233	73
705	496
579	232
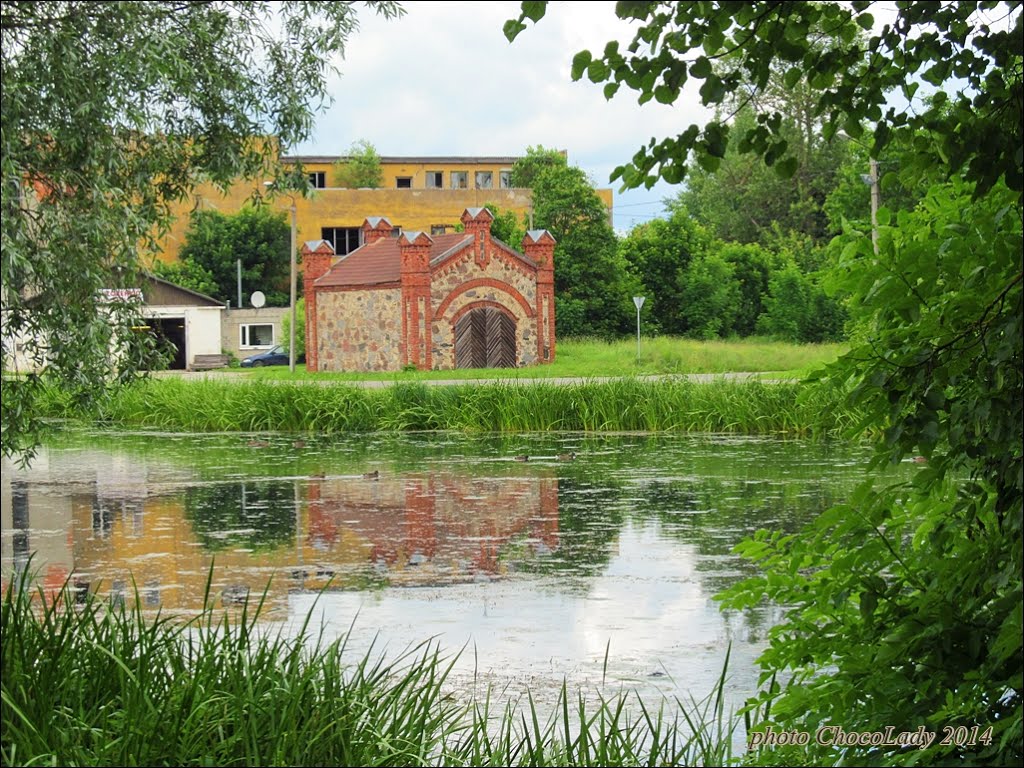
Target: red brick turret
539	247
417	313
317	256
477	222
376	228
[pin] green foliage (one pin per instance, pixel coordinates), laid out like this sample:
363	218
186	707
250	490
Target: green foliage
258	235
977	128
110	685
360	168
628	404
657	252
187	274
507	227
751	267
905	604
743	200
787	305
850	199
593	285
903	607
111	113
709	297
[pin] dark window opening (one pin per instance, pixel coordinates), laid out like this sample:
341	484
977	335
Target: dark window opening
403	182
344	240
318	180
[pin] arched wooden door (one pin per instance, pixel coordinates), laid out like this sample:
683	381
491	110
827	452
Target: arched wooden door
485	338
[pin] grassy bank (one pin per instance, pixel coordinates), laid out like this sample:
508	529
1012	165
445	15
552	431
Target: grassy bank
102	685
594	357
741	407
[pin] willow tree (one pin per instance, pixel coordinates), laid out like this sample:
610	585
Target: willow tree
904	605
111	112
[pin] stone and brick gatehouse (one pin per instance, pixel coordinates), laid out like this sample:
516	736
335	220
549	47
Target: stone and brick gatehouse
463	300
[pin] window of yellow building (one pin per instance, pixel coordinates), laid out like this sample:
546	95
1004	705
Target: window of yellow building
435	179
460	180
505	179
342	239
403	182
484	180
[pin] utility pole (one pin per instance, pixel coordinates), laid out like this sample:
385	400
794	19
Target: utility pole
291	328
293	278
875	202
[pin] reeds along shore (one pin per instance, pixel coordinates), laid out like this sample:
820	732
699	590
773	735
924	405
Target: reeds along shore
623	405
89	683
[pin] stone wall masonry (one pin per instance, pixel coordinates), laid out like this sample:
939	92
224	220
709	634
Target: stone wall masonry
359	330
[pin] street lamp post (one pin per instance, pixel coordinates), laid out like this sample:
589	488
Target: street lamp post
639	301
293	278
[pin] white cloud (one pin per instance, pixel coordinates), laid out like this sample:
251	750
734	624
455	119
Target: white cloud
443	80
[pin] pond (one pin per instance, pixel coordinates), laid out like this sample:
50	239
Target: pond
542	558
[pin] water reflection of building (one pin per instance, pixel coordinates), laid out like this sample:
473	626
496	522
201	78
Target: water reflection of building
437	528
121	530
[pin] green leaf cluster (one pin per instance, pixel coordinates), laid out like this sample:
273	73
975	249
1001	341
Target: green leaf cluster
729	47
111	113
258	235
360	168
593	285
703	287
904	605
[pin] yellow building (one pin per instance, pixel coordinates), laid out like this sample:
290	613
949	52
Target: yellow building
425	194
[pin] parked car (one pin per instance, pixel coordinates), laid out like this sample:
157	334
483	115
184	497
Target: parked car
276	356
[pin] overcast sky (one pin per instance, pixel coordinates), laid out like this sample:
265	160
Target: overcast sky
443	80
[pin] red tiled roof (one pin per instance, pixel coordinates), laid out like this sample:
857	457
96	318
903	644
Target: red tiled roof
379	263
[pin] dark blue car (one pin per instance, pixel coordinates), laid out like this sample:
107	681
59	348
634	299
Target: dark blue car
276	356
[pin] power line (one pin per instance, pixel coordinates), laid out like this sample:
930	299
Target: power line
636	205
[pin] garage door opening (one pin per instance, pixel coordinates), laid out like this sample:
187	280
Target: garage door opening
172	330
485	338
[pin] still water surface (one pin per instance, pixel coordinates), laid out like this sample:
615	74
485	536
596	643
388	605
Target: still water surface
598	570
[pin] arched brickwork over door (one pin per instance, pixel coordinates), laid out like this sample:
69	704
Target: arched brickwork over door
485	338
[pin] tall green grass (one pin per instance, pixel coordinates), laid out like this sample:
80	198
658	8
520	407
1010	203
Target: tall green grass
741	407
586	357
86	683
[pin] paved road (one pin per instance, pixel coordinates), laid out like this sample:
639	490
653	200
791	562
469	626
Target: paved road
380	383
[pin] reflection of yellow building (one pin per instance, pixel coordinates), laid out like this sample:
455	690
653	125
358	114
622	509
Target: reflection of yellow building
424	194
157	535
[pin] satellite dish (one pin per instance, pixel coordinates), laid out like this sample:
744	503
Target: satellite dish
257	299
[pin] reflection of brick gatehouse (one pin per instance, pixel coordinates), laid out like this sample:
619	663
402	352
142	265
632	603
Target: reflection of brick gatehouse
430	528
464	300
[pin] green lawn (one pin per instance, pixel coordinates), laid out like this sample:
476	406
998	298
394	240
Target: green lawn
661	355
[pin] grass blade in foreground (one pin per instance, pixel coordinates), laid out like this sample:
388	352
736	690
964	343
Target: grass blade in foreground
86	683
